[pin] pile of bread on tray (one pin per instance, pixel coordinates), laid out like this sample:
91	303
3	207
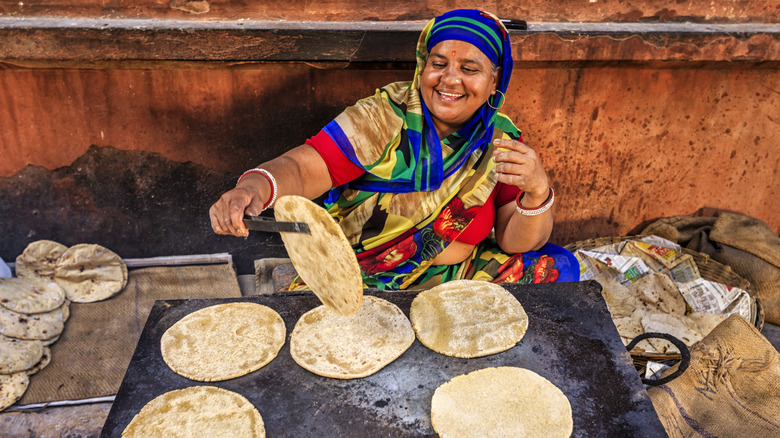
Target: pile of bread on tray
35	304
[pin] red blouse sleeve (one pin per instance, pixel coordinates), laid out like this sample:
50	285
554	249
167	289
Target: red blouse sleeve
505	194
341	169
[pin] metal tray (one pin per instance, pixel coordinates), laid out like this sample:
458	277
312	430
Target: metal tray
571	341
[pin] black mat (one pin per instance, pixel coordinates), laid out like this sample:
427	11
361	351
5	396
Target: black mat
571	341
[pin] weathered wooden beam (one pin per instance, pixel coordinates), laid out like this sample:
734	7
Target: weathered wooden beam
90	40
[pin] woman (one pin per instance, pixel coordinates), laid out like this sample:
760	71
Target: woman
421	172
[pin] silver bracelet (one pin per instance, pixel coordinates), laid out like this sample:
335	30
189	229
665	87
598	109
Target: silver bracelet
269	177
535	211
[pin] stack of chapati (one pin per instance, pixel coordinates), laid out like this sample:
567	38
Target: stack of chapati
35	305
653	304
33	312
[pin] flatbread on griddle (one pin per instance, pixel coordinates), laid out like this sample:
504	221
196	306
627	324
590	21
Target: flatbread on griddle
468	318
30	294
12	388
39	259
324	259
18	354
90	273
40	326
197	411
501	402
348	347
223	341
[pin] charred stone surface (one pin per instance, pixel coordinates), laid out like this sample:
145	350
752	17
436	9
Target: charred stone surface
138	204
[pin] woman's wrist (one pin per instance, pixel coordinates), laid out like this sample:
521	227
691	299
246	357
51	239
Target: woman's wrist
531	206
260	179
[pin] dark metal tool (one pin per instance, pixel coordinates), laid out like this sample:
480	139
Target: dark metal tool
261	223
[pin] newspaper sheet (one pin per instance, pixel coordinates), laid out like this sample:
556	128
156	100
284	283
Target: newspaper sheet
630	260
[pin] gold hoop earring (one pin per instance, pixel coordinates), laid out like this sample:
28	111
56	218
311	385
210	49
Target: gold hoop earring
503	98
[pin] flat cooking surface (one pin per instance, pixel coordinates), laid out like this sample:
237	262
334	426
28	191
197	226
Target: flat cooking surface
571	341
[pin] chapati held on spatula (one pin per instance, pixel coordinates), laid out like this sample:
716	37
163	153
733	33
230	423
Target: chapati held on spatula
348	347
223	341
39	259
90	273
468	318
324	259
501	402
197	411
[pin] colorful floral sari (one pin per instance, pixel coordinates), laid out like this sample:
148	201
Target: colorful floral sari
418	193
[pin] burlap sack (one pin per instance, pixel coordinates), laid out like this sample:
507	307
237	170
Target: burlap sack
730	389
744	243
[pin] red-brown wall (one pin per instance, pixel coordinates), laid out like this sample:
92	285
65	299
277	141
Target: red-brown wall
630	127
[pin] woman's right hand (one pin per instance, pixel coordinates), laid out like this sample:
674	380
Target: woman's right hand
227	213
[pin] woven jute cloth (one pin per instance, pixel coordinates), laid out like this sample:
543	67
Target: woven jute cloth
748	245
730	389
93	352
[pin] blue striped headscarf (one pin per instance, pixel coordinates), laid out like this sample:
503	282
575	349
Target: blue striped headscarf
486	32
481	29
412	158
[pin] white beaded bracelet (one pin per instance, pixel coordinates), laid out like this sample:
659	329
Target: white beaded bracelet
270	179
535	211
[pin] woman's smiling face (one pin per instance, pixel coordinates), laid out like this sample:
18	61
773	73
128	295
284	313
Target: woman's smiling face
456	81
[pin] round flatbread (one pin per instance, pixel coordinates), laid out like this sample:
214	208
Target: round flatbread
205	411
660	293
50	341
706	322
223	341
348	347
90	273
45	359
40	326
18	354
324	258
30	294
501	402
12	388
679	326
39	259
467	318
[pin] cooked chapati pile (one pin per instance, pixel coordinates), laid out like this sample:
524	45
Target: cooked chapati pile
35	305
205	411
33	312
653	304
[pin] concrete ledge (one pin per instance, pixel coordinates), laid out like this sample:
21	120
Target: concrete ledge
90	40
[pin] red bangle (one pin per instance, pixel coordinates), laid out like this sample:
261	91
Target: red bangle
270	179
538	210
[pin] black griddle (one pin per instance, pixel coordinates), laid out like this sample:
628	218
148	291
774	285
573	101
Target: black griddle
571	341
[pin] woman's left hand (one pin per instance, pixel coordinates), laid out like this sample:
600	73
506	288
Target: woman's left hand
518	165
